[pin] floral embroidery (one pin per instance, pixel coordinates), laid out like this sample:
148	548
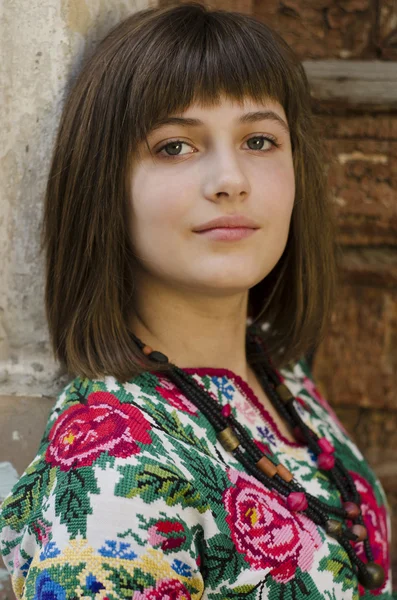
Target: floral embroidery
268	535
47	589
84	431
156	535
374	517
267	434
170	589
174	397
224	386
117	550
129	499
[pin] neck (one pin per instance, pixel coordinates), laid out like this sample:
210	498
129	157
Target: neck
193	330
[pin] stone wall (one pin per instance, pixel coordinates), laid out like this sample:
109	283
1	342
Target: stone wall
42	43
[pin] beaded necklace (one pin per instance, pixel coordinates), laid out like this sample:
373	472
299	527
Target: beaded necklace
236	440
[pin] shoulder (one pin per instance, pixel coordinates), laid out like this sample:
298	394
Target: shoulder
111	461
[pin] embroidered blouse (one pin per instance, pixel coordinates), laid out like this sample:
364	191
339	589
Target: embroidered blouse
131	496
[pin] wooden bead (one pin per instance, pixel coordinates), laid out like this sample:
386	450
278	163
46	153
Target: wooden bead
352	510
333	527
284	473
147	350
360	531
374	576
266	466
228	439
284	393
158	357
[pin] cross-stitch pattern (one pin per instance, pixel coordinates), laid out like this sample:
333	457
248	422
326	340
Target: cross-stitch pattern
131	496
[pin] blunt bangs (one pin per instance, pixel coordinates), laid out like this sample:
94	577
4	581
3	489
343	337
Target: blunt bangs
200	56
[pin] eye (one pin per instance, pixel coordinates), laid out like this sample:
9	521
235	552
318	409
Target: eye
172	148
259	140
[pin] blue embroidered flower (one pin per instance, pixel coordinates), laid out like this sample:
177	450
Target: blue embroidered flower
49	551
26	566
92	584
267	434
112	551
47	589
312	455
224	386
181	568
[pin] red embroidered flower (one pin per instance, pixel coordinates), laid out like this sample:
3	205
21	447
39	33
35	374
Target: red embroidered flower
263	447
84	431
166	589
174	397
266	532
157	535
375	520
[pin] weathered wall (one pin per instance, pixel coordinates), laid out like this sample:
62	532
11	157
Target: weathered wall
42	43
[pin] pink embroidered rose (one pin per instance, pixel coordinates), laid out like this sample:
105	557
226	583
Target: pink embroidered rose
84	431
158	535
375	520
266	532
174	397
166	589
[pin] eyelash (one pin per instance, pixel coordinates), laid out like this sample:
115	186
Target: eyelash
176	141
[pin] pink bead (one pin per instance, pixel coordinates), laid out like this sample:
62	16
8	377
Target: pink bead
226	411
297	501
325	461
325	445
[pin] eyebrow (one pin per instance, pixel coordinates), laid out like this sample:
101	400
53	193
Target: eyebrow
251	117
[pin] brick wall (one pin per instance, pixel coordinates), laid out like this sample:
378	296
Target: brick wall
356	365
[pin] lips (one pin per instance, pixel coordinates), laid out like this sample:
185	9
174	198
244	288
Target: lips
228	222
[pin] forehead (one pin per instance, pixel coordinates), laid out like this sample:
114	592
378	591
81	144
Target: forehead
226	109
233	106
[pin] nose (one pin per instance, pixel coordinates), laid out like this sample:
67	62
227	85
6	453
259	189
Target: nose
225	177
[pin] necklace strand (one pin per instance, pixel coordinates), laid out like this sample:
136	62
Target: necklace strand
235	439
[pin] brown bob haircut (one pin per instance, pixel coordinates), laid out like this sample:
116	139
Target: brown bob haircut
155	63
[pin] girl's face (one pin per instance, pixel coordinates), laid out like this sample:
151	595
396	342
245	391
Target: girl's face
232	160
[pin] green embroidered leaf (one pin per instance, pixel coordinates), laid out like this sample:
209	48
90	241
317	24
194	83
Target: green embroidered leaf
72	498
151	480
27	495
125	583
210	477
221	561
340	566
171	424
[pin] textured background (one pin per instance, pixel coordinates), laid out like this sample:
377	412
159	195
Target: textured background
349	48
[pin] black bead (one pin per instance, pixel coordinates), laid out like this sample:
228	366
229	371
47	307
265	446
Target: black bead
374	576
158	357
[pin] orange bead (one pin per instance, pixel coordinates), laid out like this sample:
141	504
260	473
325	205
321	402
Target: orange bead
266	466
284	473
147	350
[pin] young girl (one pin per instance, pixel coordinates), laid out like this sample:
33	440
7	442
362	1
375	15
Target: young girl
190	267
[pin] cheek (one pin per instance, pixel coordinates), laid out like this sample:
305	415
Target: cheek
156	204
